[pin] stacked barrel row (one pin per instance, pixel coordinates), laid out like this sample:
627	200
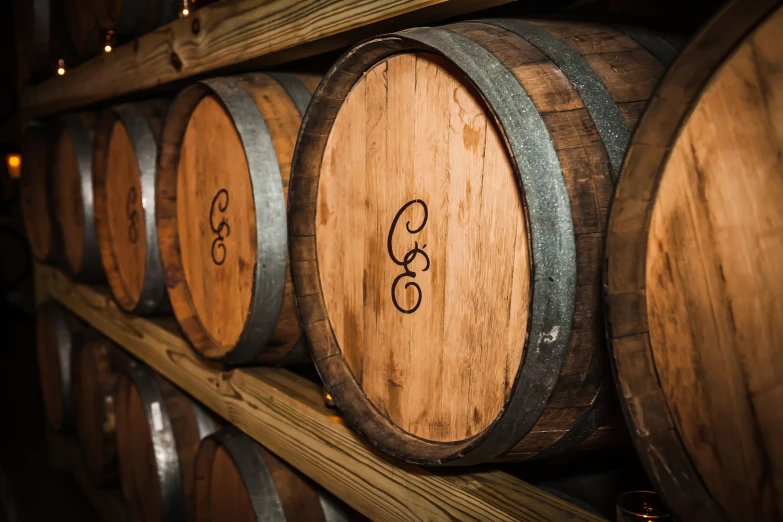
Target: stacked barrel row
436	224
169	455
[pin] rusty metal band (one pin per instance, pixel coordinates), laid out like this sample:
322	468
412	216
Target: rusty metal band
66	345
595	95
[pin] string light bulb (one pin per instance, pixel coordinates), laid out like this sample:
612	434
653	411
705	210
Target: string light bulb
60	67
108	46
14	163
185	9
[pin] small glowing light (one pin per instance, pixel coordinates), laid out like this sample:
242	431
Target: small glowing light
60	66
107	48
185	11
14	162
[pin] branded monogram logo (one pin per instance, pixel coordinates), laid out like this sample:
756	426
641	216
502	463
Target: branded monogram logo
133	215
221	230
409	257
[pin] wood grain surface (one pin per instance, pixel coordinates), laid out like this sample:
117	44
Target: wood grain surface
693	300
231	32
715	284
209	233
286	414
125	213
215	199
419	321
412	146
108	503
68	201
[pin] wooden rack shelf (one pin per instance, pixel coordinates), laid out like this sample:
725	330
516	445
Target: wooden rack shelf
231	33
108	503
286	413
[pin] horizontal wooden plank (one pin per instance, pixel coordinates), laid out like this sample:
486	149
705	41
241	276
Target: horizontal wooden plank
108	503
251	32
286	414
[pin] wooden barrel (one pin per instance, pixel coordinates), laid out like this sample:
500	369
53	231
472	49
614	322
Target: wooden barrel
221	216
57	335
87	37
449	194
131	18
238	480
158	433
694	289
97	368
124	166
35	191
72	198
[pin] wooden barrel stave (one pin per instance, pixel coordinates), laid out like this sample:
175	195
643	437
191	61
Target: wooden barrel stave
127	238
254	109
57	336
239	480
35	187
577	88
697	400
72	194
158	433
97	368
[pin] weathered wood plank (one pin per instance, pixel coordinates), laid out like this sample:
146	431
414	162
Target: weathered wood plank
253	32
285	413
108	503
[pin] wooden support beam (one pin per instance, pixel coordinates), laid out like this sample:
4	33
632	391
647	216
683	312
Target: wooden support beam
286	414
256	33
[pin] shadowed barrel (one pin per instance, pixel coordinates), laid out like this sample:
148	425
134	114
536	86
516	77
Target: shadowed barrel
694	289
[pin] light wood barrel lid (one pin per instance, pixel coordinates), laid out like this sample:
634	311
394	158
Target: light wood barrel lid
694	286
418	195
35	195
125	211
220	193
471	332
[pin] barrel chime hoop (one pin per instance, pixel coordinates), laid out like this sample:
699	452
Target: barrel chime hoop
164	445
553	249
301	97
332	511
259	484
91	268
145	150
295	89
204	422
658	444
597	99
65	348
662	50
270	212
